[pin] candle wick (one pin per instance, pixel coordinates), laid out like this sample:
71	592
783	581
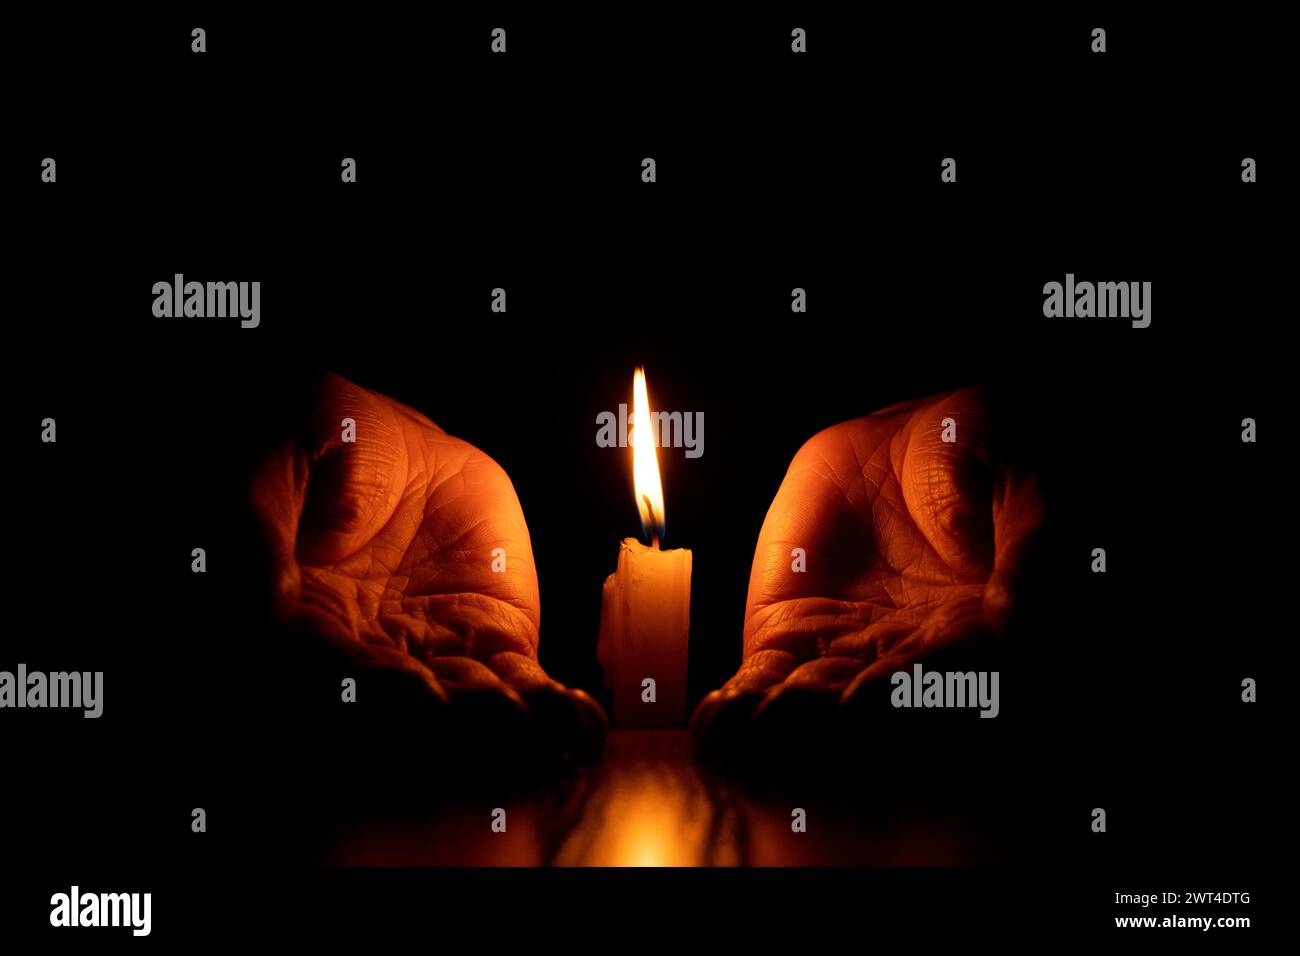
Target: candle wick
654	525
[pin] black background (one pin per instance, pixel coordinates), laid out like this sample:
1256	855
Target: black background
523	171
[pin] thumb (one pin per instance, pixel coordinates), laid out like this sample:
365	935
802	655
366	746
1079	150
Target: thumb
319	495
947	480
277	493
1017	517
357	462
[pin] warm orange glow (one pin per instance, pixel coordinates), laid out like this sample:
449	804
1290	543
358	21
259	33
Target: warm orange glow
651	834
651	808
645	461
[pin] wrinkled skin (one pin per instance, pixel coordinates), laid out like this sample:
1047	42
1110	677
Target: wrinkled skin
913	548
384	548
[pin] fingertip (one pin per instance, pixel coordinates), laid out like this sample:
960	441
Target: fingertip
722	723
568	723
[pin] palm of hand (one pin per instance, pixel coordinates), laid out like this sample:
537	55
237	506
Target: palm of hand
908	546
405	549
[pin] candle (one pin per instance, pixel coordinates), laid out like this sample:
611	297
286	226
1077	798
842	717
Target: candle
645	612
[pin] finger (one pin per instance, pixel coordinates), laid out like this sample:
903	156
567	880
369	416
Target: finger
383	676
722	721
464	674
953	637
488	719
569	722
792	719
765	728
315	647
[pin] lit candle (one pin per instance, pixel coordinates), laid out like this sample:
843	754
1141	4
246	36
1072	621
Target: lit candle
645	613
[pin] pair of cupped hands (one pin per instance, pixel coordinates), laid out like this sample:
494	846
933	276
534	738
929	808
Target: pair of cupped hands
382	549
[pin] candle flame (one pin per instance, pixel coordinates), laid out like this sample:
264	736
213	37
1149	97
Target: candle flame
645	462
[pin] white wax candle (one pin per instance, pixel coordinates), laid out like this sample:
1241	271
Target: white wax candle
645	622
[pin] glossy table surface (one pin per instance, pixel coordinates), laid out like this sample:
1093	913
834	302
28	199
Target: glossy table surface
649	802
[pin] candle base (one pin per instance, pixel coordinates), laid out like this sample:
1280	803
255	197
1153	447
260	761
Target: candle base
644	633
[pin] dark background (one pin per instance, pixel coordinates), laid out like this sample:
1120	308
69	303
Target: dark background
523	171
